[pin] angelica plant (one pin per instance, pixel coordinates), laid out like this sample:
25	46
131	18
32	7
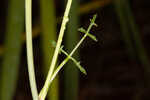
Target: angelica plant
53	71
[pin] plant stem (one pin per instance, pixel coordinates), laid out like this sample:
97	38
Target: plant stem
73	51
28	12
44	91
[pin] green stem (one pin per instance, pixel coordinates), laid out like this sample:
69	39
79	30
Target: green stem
28	12
73	51
44	91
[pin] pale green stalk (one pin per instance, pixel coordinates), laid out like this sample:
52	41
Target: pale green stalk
44	91
28	13
73	51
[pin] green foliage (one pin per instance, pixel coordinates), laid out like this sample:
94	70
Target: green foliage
82	30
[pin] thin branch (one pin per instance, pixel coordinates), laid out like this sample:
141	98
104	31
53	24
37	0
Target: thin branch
73	51
44	91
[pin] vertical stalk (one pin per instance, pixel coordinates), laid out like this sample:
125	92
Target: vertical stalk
11	57
28	13
48	21
71	72
44	90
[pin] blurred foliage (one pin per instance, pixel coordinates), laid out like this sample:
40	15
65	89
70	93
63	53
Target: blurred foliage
131	32
71	77
13	44
48	22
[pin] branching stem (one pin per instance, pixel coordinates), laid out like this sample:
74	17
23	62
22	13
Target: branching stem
73	51
44	90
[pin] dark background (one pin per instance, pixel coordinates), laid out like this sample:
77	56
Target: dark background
112	73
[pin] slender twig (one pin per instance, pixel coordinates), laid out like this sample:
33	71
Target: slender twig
28	12
77	63
44	91
73	51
